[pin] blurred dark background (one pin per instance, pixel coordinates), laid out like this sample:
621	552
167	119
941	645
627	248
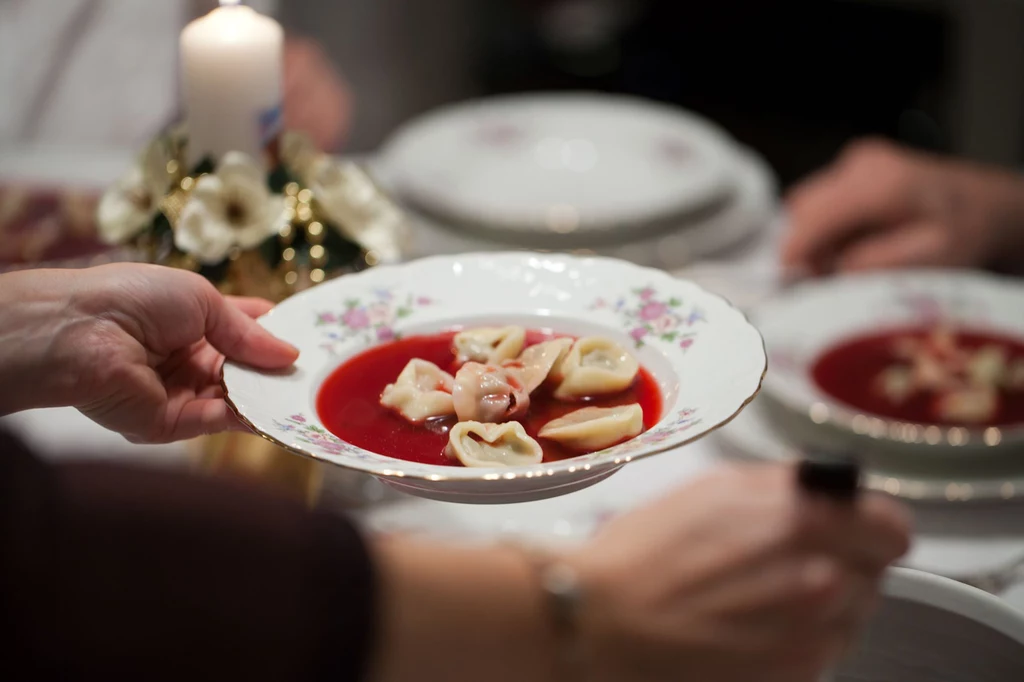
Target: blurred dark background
795	80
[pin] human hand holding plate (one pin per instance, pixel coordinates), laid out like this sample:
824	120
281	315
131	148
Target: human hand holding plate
136	348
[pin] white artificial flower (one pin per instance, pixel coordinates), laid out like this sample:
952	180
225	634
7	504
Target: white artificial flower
350	200
299	154
228	208
132	203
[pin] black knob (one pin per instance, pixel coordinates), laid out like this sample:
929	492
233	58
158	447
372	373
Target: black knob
836	476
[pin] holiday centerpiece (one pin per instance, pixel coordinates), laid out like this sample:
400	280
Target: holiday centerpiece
253	227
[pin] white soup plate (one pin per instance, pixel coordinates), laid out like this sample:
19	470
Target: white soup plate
811	318
757	434
559	165
707	360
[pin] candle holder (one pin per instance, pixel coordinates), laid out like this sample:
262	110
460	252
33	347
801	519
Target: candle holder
254	227
250	231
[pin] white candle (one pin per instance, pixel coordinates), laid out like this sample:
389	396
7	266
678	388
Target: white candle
231	69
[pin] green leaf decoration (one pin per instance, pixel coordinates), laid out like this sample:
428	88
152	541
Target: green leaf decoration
279	177
215	273
207	165
161	225
270	251
340	250
674	302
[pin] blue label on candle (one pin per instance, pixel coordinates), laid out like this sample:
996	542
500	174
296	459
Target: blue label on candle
270	124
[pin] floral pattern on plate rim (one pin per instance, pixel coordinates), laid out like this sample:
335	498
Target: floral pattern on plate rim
370	319
928	307
910	307
310	433
789	360
651	318
684	420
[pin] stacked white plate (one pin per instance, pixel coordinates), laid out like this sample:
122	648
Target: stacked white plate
607	174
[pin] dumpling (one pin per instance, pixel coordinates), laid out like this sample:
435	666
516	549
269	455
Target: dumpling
896	383
595	366
971	405
988	366
595	428
536	362
422	391
488	393
492	445
1015	376
489	345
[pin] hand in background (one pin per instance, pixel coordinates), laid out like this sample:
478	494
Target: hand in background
316	99
882	206
137	348
735	577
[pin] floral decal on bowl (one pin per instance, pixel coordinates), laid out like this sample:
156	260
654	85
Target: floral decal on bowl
788	360
675	151
684	420
499	134
926	307
371	319
307	432
649	317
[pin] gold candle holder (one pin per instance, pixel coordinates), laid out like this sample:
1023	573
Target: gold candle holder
249	456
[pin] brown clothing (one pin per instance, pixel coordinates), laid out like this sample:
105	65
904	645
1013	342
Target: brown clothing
116	573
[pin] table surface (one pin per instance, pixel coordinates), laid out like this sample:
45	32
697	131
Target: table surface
953	541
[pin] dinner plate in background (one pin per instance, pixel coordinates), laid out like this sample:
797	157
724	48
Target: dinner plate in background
753	206
581	165
807	320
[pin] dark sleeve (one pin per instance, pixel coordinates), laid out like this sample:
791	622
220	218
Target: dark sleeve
114	573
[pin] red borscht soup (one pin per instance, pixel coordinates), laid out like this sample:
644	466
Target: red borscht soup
941	376
349	402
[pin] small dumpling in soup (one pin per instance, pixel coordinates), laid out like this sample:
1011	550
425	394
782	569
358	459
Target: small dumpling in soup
595	366
422	391
492	445
489	345
534	364
595	428
488	393
968	405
